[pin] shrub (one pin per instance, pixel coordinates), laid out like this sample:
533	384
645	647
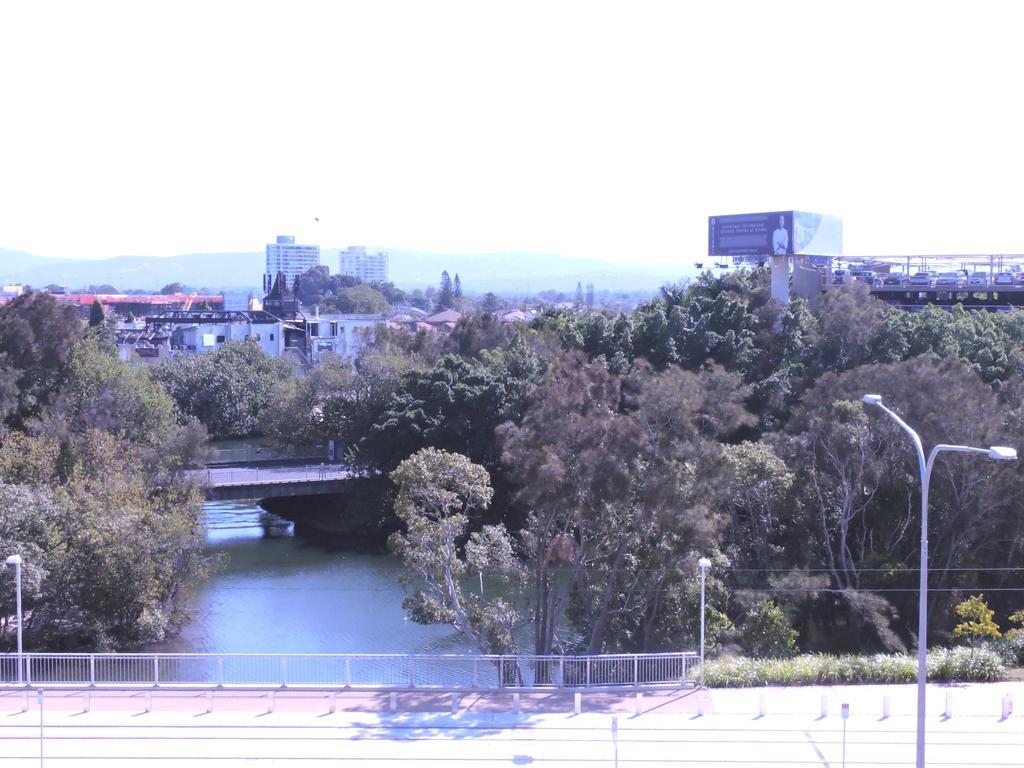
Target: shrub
767	632
1010	648
1017	618
960	664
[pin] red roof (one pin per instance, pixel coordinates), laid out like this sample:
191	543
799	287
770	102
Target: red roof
123	298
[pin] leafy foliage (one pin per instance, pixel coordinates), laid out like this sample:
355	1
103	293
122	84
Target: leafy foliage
228	390
767	632
977	621
95	500
944	665
438	493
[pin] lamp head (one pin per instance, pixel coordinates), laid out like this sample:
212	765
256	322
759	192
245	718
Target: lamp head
704	563
1002	453
873	399
16	559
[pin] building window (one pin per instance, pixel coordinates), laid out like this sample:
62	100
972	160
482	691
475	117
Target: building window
220	339
271	337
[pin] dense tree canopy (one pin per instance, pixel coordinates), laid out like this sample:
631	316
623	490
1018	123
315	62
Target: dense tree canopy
228	390
713	421
92	490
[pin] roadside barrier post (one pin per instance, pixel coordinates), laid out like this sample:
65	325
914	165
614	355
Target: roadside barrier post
577	703
886	707
949	705
824	706
639	703
39	701
845	714
615	737
761	705
393	702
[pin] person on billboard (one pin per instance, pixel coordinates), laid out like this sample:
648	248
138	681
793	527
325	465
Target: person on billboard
780	238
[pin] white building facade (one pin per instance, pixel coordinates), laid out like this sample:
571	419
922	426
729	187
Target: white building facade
291	258
342	335
367	267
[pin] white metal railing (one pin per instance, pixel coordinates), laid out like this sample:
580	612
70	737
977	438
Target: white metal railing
351	669
256	453
216	477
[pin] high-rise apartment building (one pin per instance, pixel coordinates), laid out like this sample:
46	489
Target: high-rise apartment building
368	267
291	259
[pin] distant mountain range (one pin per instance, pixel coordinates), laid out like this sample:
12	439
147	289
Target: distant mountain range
505	272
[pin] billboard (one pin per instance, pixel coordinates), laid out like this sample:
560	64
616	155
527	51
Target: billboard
758	236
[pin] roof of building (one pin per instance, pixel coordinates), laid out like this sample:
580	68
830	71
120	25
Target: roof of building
127	298
444	316
198	317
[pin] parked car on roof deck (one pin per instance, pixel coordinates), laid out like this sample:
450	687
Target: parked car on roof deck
894	278
951	280
978	278
923	278
1004	278
868	276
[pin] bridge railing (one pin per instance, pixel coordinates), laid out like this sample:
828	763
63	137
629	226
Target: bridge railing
244	454
354	669
258	475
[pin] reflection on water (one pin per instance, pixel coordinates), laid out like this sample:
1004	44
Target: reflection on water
279	594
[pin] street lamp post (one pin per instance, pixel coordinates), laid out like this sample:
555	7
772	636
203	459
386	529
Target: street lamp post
998	453
15	560
704	564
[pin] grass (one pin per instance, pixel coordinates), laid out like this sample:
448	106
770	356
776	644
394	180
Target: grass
944	665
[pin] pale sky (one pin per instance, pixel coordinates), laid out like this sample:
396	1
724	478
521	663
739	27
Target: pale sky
610	130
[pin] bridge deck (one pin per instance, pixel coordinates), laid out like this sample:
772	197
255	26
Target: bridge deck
236	483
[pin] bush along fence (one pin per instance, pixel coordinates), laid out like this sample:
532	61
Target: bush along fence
944	665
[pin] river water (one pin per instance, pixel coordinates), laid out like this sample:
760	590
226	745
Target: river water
277	593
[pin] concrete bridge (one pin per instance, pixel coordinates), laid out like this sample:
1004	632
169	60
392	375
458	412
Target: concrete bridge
244	482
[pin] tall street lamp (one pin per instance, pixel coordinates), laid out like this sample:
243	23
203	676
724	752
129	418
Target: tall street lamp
703	564
15	560
996	452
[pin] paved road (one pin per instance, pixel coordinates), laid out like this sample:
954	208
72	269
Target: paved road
301	731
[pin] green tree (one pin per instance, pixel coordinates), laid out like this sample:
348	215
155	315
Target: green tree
438	495
96	314
759	505
173	288
227	390
457	287
445	296
977	624
95	495
358	299
767	633
37	336
491	302
616	504
455	406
